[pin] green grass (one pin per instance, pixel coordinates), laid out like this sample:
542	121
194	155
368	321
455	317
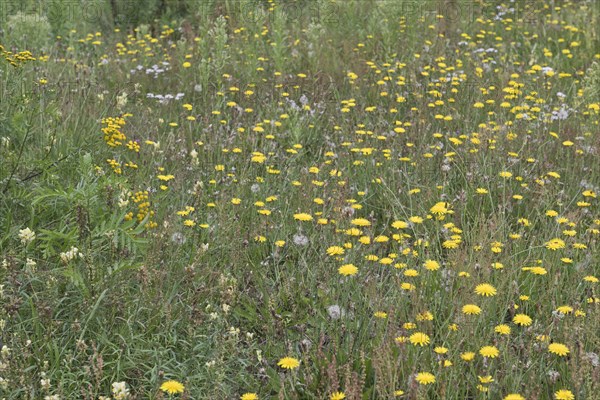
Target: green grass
189	263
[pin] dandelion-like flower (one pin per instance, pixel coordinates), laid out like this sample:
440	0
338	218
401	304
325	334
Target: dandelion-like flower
431	265
348	270
289	363
555	244
172	387
559	349
522	319
425	378
485	289
337	396
335	250
489	351
564	394
514	396
303	217
361	222
471	309
502	329
419	339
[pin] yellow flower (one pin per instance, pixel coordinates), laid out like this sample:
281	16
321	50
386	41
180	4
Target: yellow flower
361	222
337	396
502	329
522	319
431	265
399	225
485	289
348	270
565	309
335	250
489	351
514	396
467	356
559	349
419	339
471	309
249	396
555	244
564	394
172	387
425	378
440	208
303	217
288	363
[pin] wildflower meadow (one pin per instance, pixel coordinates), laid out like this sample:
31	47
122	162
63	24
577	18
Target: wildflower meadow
300	199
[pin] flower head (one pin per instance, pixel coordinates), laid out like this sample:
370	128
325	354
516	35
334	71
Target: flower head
431	265
419	339
26	235
172	387
522	319
514	396
348	270
489	351
337	396
559	349
485	289
564	394
303	217
425	378
288	363
471	309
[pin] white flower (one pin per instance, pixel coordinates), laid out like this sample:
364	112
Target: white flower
30	264
45	383
70	255
26	235
120	391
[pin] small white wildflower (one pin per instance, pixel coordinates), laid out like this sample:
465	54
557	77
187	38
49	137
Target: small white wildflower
26	235
120	390
30	264
45	383
122	100
71	254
